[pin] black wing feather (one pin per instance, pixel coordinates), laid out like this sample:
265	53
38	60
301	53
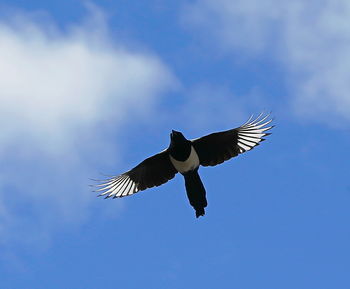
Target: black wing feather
215	148
153	171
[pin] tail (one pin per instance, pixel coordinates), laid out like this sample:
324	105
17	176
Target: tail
195	192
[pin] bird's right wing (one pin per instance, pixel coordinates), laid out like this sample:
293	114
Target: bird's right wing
215	148
153	171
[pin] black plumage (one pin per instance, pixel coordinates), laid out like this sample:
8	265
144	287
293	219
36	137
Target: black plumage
185	156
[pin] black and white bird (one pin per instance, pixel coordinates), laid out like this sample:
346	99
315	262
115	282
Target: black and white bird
185	156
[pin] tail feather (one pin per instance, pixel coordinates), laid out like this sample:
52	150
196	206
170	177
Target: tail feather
195	192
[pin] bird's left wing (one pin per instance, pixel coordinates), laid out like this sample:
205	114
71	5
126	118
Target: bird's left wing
153	171
215	148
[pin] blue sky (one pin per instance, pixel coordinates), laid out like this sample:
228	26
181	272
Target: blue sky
95	87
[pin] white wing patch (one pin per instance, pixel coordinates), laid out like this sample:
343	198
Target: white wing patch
117	187
252	132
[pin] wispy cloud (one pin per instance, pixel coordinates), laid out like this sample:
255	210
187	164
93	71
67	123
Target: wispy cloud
60	91
311	39
204	102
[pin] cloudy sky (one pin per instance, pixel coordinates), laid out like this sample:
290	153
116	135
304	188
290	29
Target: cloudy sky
93	88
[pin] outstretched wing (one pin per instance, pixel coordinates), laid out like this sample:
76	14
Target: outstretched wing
218	147
152	172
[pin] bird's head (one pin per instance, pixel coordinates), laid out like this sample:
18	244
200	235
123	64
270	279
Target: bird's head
177	137
180	147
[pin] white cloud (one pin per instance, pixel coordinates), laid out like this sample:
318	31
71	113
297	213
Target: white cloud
59	92
310	38
55	83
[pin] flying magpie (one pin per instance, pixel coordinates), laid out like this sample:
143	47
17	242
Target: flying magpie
185	156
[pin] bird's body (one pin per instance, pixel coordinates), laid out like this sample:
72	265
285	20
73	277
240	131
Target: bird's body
186	162
185	156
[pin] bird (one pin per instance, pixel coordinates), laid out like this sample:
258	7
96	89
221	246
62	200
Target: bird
185	157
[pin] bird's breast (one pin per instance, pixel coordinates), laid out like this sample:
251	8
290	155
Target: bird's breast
191	163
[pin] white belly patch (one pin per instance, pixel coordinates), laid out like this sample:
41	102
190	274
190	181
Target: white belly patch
191	163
